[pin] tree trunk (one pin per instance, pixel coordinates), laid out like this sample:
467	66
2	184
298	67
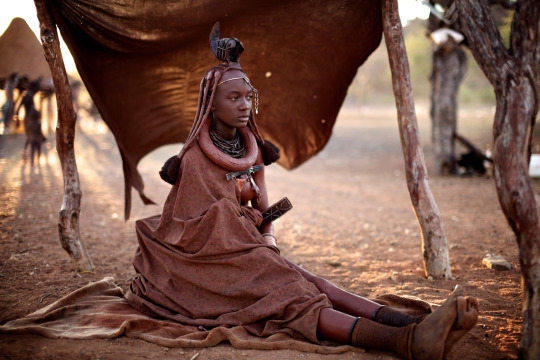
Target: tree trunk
449	64
514	75
68	226
434	243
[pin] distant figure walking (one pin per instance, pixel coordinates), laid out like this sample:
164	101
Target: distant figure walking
8	108
34	135
29	105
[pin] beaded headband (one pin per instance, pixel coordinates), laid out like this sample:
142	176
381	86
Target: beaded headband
235	78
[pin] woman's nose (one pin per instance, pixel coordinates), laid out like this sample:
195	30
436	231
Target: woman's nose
245	104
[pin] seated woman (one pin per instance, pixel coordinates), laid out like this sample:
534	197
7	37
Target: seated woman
207	260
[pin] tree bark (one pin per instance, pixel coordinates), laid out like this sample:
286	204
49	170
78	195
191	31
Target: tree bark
449	64
434	243
68	225
514	74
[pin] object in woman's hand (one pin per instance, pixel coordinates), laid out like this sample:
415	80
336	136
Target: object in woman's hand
276	210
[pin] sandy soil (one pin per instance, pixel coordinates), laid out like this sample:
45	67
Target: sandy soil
352	223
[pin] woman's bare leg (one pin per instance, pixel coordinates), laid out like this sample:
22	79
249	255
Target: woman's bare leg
359	306
342	300
336	326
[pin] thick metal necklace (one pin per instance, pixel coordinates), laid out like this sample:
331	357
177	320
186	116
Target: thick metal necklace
234	148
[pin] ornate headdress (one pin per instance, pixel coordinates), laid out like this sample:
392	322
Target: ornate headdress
229	50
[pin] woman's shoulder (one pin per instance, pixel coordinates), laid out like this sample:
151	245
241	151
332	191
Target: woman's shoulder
195	159
194	153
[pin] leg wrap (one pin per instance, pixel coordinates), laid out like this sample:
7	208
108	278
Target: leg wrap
392	317
368	334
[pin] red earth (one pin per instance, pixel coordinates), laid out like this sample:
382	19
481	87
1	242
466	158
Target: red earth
352	223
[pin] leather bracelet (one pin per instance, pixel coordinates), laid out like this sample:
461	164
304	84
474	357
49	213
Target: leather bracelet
268	234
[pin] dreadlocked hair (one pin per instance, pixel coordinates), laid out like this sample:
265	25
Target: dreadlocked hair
270	152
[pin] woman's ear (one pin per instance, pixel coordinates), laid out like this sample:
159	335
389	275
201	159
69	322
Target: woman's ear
213	107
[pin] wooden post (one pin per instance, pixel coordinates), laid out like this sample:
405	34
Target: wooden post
449	64
434	243
514	74
68	225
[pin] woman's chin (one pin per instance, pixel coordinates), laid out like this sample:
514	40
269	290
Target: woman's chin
242	124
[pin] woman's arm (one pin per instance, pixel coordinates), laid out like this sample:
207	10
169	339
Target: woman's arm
261	203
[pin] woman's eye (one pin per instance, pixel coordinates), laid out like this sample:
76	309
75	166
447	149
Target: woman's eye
234	98
249	97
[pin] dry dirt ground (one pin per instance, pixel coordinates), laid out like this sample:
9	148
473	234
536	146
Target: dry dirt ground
352	223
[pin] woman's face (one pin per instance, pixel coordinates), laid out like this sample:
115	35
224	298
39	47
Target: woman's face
232	102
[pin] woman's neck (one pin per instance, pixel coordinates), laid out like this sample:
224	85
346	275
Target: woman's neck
225	132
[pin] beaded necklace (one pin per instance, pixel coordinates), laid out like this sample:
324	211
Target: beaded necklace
234	148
